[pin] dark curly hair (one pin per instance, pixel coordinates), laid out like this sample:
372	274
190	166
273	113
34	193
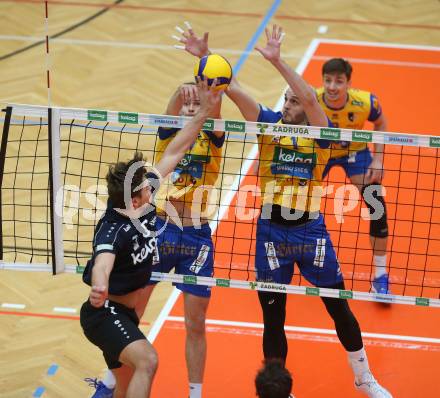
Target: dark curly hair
115	180
273	380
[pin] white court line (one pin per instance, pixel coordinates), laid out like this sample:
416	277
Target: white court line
254	325
14	306
154	331
125	44
64	310
378	44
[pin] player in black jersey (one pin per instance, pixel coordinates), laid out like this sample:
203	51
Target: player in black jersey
124	246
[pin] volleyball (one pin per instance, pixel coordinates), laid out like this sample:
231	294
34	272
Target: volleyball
214	66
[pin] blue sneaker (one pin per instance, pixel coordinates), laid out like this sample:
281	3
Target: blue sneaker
381	285
102	391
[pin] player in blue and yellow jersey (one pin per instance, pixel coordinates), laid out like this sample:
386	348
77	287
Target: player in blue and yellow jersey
290	228
124	247
350	108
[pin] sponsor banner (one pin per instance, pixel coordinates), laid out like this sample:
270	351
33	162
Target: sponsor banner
223	282
234	126
361	136
331	134
80	269
272	286
208	125
284	129
434	142
126	117
165	120
97	115
345	294
398	139
312	291
422	301
190	279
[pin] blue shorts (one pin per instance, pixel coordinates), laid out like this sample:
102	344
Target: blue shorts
356	163
190	252
308	245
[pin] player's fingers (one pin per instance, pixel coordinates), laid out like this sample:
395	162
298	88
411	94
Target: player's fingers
179	47
281	37
267	34
213	85
179	29
205	37
181	39
189	27
274	31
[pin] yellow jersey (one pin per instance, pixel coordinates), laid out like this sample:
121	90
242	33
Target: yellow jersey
360	107
195	174
290	168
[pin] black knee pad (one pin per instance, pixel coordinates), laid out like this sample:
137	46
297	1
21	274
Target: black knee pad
378	210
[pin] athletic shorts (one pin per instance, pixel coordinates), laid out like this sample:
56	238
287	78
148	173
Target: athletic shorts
354	164
279	247
190	252
111	327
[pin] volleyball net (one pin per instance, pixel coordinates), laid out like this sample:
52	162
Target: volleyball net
53	164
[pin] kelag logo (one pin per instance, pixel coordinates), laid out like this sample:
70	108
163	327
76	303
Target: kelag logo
125	117
233	126
362	136
97	115
208	125
331	134
434	142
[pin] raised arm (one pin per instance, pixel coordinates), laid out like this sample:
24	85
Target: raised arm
375	171
198	46
209	100
302	90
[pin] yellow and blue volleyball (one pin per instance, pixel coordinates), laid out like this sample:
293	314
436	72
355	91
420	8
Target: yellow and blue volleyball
214	66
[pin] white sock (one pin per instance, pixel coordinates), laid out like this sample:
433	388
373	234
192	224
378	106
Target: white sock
195	390
359	363
381	265
109	380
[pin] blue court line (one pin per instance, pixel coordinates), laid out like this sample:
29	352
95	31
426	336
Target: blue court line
250	46
38	392
52	369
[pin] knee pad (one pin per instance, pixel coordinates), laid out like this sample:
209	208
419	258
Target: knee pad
378	210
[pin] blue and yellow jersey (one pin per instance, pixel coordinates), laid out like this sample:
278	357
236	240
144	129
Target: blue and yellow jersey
290	168
199	167
360	107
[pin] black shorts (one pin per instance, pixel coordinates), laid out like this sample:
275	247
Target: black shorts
111	327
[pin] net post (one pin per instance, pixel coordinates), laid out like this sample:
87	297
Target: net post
4	144
56	211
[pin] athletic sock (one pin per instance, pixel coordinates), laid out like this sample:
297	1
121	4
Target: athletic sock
359	363
381	265
109	379
195	390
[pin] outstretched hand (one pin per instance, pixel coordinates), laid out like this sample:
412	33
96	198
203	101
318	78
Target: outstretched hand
209	96
272	50
197	46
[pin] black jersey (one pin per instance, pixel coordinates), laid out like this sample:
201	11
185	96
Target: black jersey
134	250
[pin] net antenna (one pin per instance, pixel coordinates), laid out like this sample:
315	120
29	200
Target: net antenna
55	186
46	25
